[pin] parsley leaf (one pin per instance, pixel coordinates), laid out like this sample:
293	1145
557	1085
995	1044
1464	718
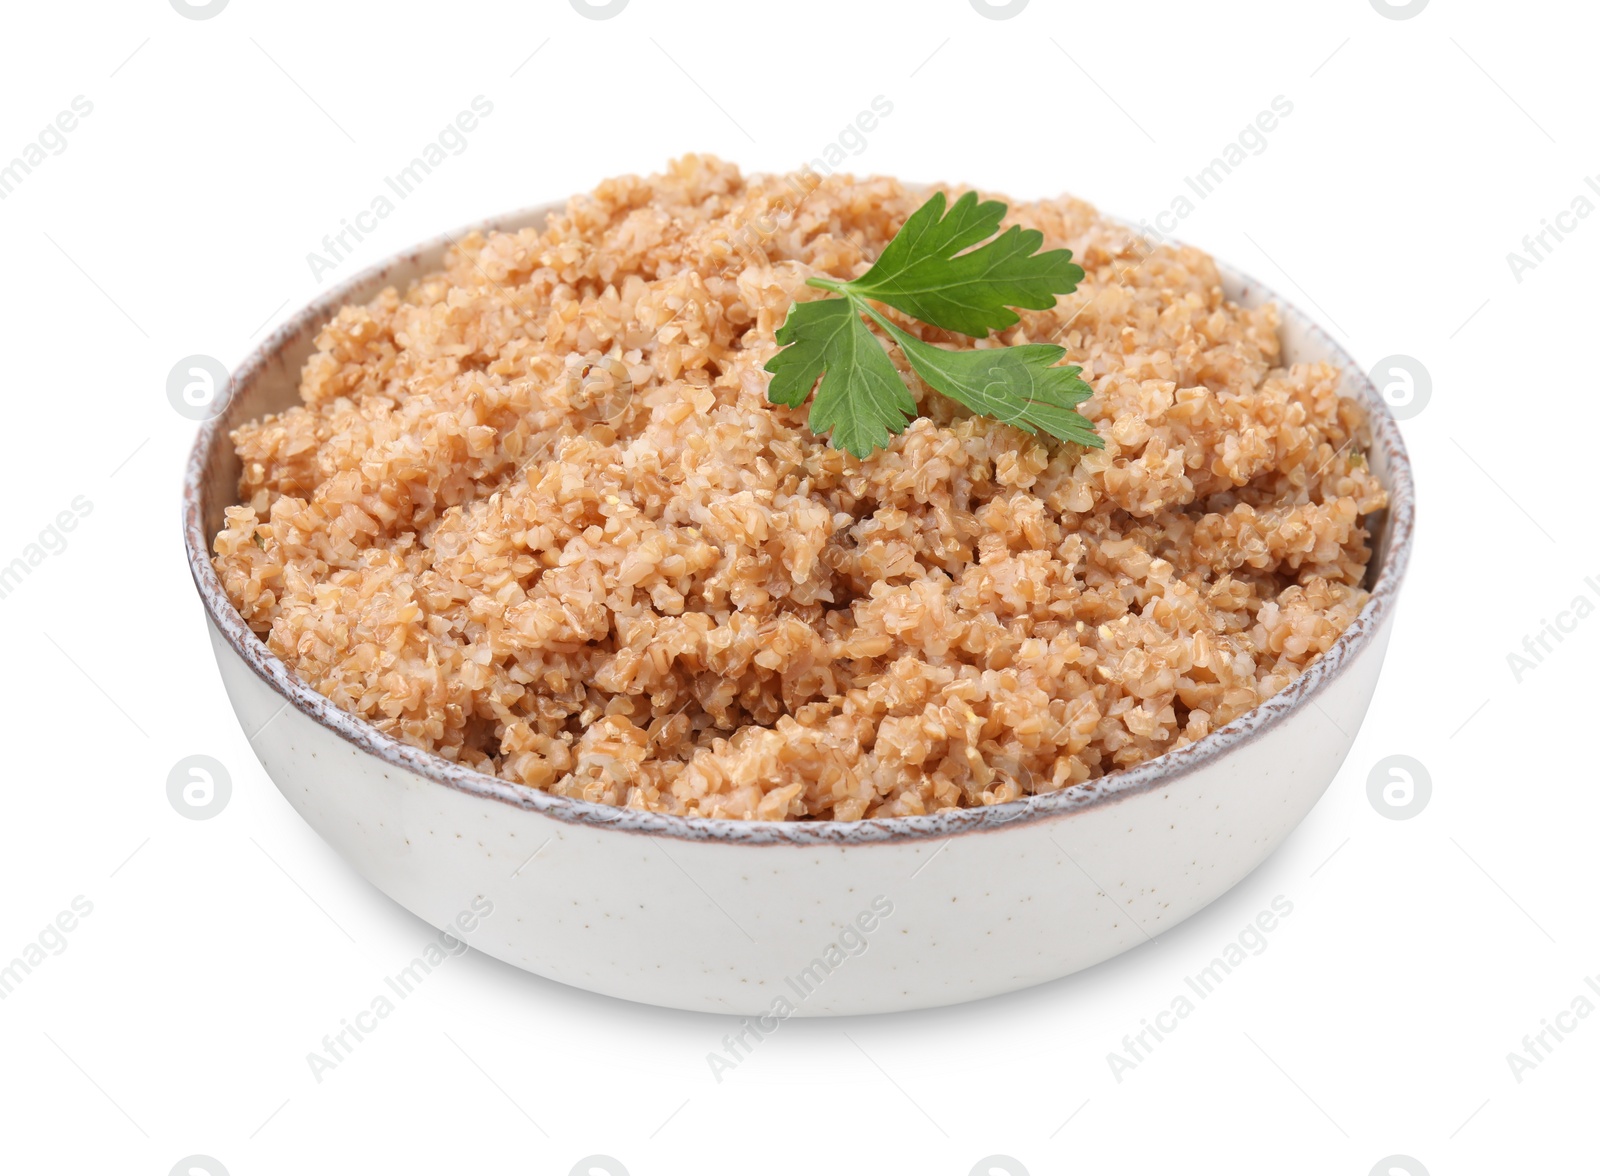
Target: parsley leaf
862	398
923	273
1018	386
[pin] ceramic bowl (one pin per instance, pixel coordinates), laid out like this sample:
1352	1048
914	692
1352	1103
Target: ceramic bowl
799	918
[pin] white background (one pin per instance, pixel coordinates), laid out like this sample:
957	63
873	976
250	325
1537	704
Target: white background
177	220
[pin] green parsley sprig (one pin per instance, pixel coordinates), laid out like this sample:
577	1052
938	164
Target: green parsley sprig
923	273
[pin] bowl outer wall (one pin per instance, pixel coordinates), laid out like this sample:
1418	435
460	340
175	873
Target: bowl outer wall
727	927
683	914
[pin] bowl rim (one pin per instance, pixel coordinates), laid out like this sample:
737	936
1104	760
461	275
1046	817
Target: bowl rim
1161	770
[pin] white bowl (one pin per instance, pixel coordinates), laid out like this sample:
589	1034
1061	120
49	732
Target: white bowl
802	918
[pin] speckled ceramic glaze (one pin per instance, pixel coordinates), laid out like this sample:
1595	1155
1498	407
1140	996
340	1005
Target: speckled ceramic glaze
818	917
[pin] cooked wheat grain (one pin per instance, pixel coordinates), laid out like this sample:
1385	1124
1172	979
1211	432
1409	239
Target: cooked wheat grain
536	515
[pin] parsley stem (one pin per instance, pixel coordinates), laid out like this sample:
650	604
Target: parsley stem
878	317
827	284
